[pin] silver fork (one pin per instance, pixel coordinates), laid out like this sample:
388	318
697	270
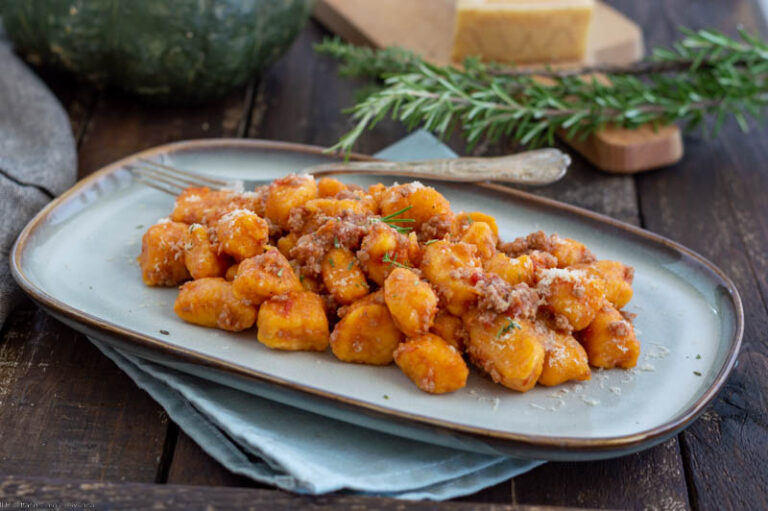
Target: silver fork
539	167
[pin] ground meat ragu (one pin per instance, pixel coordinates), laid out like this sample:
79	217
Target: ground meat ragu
258	199
619	328
353	192
435	228
497	295
304	221
554	320
535	241
629	316
629	274
312	247
542	259
274	229
298	218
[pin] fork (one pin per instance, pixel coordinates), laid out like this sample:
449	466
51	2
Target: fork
539	167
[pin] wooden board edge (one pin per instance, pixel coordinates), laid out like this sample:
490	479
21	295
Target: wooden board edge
608	153
338	24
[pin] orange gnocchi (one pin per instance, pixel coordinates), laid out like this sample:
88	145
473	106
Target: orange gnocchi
162	254
241	234
210	302
452	268
610	340
294	321
411	302
432	364
366	335
510	351
571	293
343	277
389	274
261	277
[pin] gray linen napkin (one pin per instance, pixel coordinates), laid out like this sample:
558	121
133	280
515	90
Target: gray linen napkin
38	158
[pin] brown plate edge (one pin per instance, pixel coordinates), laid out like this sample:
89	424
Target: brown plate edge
625	443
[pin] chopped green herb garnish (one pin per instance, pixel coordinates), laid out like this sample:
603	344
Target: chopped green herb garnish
336	242
393	262
697	373
140	226
431	241
330	261
511	325
386	396
280	272
470	221
351	264
698	357
392	216
392	221
301	278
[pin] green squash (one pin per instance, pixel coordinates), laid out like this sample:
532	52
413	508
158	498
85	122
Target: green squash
166	50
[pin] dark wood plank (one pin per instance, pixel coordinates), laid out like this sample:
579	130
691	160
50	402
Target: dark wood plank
192	466
78	98
714	202
122	125
311	113
18	492
300	100
652	479
67	411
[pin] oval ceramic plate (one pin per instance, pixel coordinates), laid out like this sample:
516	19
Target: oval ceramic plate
78	259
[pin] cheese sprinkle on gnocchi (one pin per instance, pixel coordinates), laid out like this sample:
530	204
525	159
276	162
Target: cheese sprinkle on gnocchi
392	274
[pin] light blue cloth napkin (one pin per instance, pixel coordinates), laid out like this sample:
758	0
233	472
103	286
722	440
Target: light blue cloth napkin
307	453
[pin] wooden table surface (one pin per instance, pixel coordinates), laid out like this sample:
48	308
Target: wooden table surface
68	415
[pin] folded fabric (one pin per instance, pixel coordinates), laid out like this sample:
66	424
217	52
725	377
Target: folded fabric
38	158
307	453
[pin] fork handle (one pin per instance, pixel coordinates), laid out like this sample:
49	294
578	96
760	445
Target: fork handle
539	167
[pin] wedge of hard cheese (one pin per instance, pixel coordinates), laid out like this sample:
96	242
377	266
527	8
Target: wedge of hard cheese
522	31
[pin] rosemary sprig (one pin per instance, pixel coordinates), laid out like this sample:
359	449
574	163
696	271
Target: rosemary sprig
706	74
365	61
393	261
393	222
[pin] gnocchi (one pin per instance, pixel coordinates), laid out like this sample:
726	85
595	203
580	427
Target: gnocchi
391	275
432	364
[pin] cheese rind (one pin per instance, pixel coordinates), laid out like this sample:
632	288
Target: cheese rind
522	31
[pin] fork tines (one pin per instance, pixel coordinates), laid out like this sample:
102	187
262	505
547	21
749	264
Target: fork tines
173	181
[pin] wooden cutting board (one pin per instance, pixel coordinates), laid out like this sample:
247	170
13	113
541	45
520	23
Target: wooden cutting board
426	28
